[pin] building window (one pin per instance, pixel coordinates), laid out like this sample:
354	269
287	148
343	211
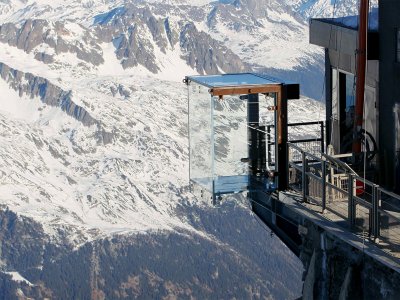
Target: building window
398	45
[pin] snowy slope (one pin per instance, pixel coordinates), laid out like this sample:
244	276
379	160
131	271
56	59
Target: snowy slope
62	175
327	8
123	170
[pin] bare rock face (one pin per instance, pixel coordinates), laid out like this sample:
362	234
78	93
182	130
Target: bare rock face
206	55
130	50
35	86
139	34
60	37
135	32
130	28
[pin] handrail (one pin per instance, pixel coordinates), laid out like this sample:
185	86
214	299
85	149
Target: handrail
313	156
391	194
341	187
307	123
300	141
365	181
291	145
300	124
338	162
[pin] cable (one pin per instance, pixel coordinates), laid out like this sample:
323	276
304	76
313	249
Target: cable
269	209
262	225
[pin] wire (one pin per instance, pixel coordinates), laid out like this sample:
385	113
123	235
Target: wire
262	224
269	209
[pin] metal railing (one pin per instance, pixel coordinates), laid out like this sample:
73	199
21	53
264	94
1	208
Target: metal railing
334	189
310	140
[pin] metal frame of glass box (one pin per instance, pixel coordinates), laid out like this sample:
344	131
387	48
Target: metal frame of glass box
227	115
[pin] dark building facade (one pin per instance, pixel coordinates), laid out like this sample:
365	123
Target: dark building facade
339	37
389	92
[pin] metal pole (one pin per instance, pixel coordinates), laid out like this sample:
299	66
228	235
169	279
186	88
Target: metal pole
351	202
304	176
323	186
375	212
281	138
361	68
322	138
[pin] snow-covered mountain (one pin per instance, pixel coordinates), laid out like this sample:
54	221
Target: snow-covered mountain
94	155
207	36
174	38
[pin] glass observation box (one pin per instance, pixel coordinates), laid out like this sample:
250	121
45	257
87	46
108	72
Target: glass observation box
232	140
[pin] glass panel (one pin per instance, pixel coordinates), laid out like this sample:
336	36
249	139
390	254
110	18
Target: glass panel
231	144
350	100
200	135
232	80
241	150
267	120
334	138
370	116
346	110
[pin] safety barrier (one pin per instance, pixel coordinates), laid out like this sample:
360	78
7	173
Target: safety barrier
346	198
308	136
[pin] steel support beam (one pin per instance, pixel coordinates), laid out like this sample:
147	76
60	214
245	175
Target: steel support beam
351	212
323	165
282	138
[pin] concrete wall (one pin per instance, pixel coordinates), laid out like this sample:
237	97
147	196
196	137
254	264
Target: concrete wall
336	270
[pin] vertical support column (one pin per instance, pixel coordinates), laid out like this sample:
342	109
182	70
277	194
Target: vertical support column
323	165
282	139
322	138
375	213
351	202
328	96
253	119
304	181
361	76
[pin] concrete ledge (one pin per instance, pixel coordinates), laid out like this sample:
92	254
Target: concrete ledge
329	226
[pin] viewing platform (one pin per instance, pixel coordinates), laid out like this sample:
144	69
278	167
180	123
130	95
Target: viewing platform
340	224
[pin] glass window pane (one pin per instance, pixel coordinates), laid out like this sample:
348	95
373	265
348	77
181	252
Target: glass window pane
231	144
200	135
334	139
350	100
